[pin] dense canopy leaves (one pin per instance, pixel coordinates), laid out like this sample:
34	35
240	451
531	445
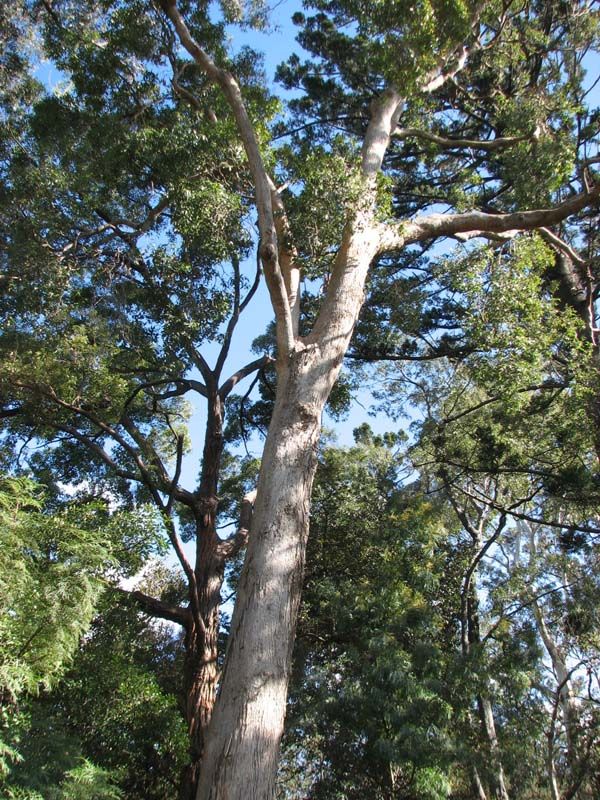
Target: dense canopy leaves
450	584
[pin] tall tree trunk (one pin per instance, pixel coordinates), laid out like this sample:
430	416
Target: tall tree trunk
568	706
575	288
495	770
243	745
201	641
201	666
478	790
245	731
200	693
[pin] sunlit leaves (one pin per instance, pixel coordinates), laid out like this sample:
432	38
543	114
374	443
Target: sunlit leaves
52	569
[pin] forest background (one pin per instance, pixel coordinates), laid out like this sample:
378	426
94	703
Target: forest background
448	638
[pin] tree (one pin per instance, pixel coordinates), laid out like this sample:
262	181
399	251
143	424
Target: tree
118	706
461	76
44	561
246	725
370	703
424	662
54	568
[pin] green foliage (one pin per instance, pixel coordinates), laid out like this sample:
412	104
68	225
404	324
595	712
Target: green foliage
384	700
326	187
115	721
89	782
54	565
52	570
391	39
367	635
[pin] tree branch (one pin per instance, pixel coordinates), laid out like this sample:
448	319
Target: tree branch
233	320
177	474
254	287
262	185
489	145
157	608
185	385
10	412
99	451
243	373
288	256
233	544
478	223
558	244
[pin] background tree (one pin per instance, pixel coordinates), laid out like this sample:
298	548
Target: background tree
54	567
119	706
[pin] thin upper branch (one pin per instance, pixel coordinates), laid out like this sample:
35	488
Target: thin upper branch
183	385
562	246
99	451
242	373
233	319
489	145
262	184
288	256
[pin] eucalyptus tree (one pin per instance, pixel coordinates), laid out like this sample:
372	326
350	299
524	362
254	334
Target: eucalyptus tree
161	133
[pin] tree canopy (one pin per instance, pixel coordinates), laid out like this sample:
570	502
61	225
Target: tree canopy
418	191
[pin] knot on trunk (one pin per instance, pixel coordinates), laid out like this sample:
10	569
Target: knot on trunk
268	252
207	507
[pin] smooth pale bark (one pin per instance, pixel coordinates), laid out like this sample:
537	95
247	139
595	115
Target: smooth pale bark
496	772
563	677
243	738
494	769
478	790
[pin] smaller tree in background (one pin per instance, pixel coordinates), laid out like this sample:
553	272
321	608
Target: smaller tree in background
54	563
368	713
119	706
